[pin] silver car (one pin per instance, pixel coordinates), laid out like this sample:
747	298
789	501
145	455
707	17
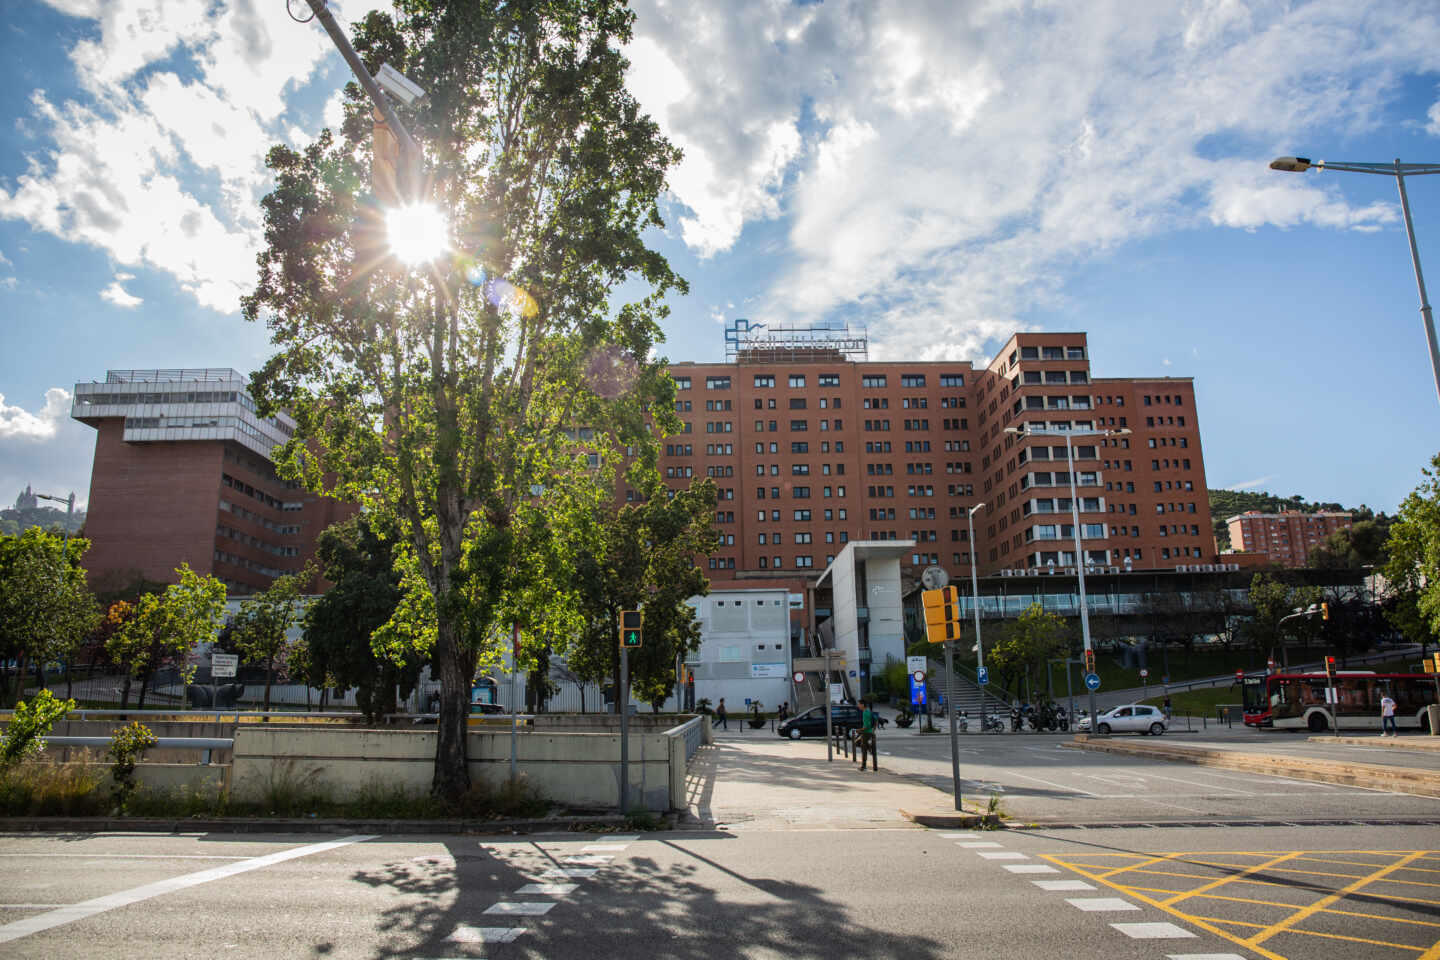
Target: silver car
1129	718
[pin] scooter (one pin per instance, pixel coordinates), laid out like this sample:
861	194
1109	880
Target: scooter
1016	720
992	724
962	722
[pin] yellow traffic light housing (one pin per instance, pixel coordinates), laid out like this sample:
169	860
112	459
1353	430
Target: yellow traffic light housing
1324	611
942	614
631	635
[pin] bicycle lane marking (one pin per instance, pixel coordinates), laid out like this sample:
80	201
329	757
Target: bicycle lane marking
113	901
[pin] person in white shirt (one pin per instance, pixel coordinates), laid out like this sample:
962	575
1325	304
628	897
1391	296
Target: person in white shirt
1387	716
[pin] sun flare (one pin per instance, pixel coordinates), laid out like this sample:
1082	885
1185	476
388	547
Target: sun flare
418	234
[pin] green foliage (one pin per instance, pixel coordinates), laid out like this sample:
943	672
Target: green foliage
51	519
23	738
46	608
164	628
1274	600
1227	503
1020	648
1412	570
259	630
127	747
51	789
450	400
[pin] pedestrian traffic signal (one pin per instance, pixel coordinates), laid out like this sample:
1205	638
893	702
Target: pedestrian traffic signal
630	635
1324	611
942	614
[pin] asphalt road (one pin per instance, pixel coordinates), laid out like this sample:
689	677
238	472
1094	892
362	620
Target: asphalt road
1038	778
749	891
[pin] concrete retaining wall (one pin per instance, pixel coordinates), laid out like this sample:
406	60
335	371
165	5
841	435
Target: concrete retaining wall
576	769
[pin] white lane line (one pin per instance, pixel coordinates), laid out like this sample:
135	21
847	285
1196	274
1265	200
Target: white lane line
569	873
603	848
547	889
112	901
1152	931
977	844
587	861
1100	904
1050	783
1062	886
1031	868
464	933
1002	855
522	909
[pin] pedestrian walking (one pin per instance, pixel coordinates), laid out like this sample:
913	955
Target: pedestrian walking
1167	706
1387	716
866	740
721	720
783	713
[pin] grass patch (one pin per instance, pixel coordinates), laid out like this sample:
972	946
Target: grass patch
42	789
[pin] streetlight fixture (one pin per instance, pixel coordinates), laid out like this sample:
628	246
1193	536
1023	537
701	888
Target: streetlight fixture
69	515
1029	429
975	603
1399	171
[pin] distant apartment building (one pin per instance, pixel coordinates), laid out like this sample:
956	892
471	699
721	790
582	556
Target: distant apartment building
813	446
1287	539
182	474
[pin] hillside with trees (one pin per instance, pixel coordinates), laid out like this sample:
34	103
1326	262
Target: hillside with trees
1227	503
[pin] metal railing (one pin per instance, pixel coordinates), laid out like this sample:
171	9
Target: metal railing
203	744
694	734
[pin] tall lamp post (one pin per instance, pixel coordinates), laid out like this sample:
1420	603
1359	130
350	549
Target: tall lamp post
975	603
1029	429
1399	171
69	515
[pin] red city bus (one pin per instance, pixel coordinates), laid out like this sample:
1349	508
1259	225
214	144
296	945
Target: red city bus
1294	701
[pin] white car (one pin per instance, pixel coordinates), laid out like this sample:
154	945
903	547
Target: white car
1129	718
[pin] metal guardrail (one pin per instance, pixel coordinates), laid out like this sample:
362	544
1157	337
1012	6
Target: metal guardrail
203	744
694	734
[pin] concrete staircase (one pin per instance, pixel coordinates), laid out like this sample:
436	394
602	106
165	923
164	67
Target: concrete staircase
967	692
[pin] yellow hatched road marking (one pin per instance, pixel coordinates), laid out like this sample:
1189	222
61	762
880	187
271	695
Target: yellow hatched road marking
1138	865
1357	863
1220	882
1159	905
1327	936
1323	902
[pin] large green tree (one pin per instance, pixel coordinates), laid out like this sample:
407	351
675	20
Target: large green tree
1020	651
1273	601
642	555
1412	567
440	397
340	623
46	609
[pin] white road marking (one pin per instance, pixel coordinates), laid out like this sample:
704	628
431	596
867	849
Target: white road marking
587	860
1002	855
975	845
1051	783
1100	904
464	933
1029	868
959	836
1062	886
569	873
603	848
547	889
112	901
522	909
1152	931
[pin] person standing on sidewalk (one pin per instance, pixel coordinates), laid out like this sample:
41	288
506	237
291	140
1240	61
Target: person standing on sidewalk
721	720
866	740
1387	716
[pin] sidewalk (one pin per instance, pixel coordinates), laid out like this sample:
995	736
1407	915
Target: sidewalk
750	781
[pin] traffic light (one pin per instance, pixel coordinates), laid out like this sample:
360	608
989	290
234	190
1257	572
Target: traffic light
1329	666
1324	611
942	614
630	634
1089	661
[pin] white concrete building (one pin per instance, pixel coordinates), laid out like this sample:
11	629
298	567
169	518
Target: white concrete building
744	650
867	616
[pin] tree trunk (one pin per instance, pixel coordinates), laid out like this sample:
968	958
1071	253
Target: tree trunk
452	763
20	667
69	680
269	678
144	685
125	693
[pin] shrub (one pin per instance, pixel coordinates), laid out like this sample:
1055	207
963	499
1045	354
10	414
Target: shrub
127	746
51	789
23	738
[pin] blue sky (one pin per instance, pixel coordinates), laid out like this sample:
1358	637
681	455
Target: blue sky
942	172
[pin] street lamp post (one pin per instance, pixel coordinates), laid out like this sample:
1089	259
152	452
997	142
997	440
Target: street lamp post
69	516
1028	430
1399	171
975	603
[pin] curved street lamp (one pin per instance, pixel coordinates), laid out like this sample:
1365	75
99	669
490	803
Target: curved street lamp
1399	171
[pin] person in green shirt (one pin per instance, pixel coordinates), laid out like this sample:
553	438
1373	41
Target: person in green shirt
866	740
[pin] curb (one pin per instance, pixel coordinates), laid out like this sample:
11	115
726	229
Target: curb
305	825
954	819
1424	783
1423	743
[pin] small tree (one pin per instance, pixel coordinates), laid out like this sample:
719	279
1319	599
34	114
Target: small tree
127	747
1413	565
24	736
1020	651
46	608
164	628
260	631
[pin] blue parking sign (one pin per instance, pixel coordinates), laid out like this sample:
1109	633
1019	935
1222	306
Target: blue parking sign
917	692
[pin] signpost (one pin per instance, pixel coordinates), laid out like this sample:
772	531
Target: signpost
221	665
631	637
1144	684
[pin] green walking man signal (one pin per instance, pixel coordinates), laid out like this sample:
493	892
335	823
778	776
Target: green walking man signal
630	634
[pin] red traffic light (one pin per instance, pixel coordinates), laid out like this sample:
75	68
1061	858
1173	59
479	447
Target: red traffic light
1330	661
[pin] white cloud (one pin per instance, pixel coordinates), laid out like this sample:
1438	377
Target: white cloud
948	164
1251	484
1433	116
4	260
118	295
19	423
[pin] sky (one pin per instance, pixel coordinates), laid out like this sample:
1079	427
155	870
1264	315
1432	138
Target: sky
942	173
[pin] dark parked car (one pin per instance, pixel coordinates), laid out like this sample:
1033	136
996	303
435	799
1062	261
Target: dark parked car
811	723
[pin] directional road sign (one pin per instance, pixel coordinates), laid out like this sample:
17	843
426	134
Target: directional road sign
224	664
1092	680
982	676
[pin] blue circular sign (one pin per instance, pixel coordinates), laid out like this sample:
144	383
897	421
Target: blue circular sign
982	675
1092	680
